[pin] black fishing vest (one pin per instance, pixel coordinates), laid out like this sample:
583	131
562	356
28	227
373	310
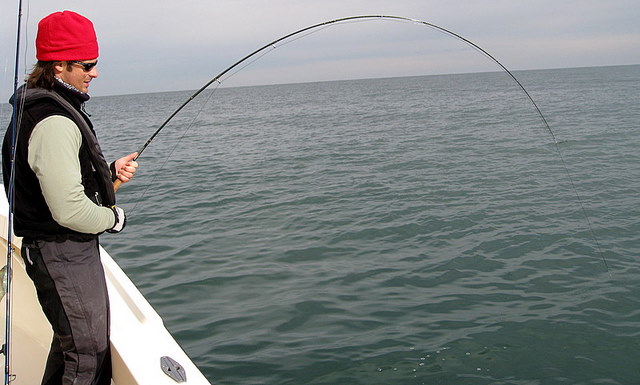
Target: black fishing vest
32	217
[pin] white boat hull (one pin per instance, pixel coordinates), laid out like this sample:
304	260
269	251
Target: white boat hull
139	339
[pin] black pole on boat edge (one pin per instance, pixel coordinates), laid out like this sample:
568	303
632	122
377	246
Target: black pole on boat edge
6	348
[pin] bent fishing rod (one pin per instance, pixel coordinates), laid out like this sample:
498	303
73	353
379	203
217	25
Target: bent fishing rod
325	24
312	28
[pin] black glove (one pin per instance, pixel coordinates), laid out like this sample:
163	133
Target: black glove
121	220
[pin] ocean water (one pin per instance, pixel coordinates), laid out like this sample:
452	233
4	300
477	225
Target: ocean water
421	230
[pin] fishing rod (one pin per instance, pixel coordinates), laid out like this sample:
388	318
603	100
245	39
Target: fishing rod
448	32
273	44
6	347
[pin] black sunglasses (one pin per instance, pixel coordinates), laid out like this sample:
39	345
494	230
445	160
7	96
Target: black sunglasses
86	66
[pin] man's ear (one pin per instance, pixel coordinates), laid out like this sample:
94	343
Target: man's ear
58	67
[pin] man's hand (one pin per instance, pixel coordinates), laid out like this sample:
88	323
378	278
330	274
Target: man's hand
126	167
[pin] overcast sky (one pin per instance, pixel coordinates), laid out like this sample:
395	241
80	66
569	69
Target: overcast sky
149	46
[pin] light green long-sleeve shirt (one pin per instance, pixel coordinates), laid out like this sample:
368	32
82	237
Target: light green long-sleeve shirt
53	156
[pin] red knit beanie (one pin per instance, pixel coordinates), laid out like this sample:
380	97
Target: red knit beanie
66	36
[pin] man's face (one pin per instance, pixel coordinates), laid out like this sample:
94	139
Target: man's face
76	74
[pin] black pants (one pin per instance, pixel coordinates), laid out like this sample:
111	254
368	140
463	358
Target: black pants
72	291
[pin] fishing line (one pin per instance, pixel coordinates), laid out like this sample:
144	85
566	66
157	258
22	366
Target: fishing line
173	148
272	48
286	39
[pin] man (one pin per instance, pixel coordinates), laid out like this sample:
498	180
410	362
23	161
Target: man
64	198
